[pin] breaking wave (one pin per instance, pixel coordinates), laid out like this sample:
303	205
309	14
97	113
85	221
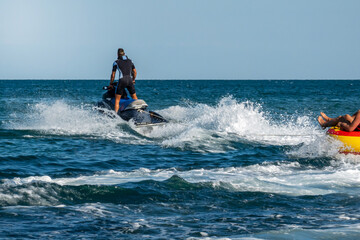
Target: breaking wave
290	179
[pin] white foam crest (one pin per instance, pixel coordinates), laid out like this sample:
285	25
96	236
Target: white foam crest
324	146
37	195
20	181
94	209
331	231
285	178
249	121
201	126
61	118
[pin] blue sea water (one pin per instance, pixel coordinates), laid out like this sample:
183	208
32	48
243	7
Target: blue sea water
238	160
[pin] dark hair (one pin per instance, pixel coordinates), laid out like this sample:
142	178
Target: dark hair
121	52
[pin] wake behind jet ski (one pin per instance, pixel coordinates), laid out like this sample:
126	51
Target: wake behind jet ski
131	109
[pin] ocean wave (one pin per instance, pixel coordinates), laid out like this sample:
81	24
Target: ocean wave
289	179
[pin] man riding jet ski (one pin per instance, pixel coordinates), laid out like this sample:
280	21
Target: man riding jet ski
131	109
127	75
116	99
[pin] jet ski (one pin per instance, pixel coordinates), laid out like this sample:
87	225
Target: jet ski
130	109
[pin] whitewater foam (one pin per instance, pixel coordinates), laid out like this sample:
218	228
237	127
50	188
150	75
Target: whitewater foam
205	128
61	118
284	178
195	127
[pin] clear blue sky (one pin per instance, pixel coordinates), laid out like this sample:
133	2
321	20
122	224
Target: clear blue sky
187	39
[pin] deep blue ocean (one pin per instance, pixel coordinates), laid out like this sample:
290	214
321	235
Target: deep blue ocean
238	160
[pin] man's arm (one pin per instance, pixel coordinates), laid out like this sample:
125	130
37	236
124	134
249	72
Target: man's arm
134	75
112	77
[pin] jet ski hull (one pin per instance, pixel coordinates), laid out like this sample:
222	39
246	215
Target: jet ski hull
135	110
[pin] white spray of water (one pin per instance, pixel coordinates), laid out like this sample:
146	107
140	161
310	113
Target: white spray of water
211	128
60	118
198	127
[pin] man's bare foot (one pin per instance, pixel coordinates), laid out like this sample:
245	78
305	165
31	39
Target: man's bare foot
324	116
321	122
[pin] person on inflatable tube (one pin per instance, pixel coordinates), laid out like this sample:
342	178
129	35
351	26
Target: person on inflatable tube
345	123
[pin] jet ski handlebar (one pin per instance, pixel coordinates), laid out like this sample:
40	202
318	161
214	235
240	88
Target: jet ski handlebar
108	87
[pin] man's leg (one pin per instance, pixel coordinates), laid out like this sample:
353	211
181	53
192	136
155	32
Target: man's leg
354	123
133	96
131	89
117	101
324	116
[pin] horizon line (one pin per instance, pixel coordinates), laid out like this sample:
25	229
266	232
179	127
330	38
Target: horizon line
188	79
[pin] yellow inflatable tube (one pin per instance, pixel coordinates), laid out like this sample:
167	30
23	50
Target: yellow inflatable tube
351	140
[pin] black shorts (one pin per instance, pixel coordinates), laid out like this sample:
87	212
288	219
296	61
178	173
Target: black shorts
125	82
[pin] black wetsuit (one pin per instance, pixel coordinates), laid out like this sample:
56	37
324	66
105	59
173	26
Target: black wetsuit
125	67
